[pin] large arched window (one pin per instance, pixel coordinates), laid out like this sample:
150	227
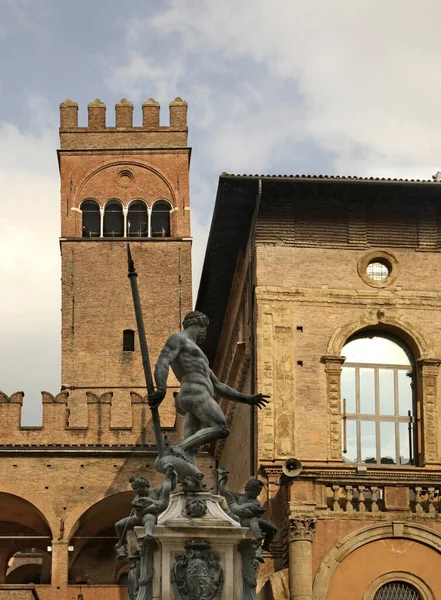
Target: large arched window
378	403
398	590
160	219
137	219
91	222
113	219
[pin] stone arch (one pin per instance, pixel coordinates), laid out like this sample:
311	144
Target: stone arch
162	200
92	533
137	200
17	509
125	163
404	329
351	542
20	521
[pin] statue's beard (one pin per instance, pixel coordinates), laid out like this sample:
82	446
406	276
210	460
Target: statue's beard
201	337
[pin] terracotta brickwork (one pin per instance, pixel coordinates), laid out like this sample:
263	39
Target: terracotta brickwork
63	485
311	246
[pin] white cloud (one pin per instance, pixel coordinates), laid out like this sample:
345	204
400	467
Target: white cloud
365	73
29	265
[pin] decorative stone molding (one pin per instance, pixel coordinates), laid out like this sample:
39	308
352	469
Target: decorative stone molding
302	527
343	548
428	371
387	259
333	366
410	333
403	576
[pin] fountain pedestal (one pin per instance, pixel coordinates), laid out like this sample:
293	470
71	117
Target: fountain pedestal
198	552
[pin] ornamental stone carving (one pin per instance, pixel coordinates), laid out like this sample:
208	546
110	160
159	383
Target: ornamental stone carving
302	528
197	573
195	508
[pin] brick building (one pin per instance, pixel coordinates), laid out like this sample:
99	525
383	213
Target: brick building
65	484
324	293
321	292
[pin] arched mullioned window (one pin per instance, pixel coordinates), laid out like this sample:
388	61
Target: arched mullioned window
378	400
91	218
160	219
113	219
137	219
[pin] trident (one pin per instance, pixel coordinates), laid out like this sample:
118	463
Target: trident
133	276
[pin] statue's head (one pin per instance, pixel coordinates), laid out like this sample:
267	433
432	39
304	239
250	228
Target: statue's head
200	320
139	484
253	487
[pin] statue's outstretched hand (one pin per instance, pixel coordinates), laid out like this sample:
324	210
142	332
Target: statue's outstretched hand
156	398
259	400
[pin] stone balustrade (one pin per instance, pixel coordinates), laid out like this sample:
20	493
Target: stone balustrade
424	500
359	498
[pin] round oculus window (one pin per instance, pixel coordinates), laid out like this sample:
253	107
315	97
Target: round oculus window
377	271
378	268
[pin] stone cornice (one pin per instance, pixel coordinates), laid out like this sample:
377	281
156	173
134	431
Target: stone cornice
388	299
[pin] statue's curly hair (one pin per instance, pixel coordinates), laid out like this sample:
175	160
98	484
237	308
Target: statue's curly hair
254	485
139	482
195	318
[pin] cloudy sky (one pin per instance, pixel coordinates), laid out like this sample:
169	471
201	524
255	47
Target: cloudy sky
287	86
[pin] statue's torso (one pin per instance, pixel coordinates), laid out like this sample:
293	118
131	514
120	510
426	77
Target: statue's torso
191	365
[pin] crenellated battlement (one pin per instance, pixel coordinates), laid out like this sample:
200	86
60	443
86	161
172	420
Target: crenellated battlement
123	135
73	417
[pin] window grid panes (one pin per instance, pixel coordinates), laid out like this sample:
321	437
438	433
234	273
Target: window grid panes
377	271
397	590
377	409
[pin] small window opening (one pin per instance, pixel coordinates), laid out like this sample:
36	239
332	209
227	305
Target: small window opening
91	222
161	219
113	220
128	340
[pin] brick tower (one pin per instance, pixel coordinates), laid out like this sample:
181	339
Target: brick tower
121	184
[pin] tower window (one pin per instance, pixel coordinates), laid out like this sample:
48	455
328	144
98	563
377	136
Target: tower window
160	224
91	222
128	340
113	219
137	220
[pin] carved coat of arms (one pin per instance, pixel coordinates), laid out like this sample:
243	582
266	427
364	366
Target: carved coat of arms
197	573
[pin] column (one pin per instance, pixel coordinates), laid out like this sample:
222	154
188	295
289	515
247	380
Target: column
60	563
3	566
301	532
102	221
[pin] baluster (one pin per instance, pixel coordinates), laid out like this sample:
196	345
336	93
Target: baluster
430	500
361	499
335	498
418	499
348	500
374	495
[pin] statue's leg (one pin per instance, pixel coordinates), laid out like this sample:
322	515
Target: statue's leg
213	425
149	522
191	426
269	530
122	527
255	529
